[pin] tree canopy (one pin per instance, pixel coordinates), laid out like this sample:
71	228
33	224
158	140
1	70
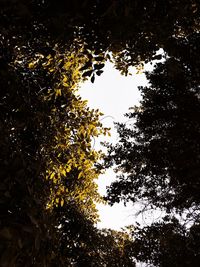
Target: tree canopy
48	166
48	173
167	243
157	157
160	152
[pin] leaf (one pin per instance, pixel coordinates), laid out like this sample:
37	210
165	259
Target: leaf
62	202
98	66
87	73
61	63
100	58
158	57
80	175
99	72
93	78
65	84
68	168
63	172
108	56
58	92
52	175
31	65
89	55
86	66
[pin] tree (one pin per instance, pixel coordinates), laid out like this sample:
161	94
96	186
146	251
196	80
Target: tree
48	167
48	173
132	30
157	158
167	243
85	245
160	152
37	139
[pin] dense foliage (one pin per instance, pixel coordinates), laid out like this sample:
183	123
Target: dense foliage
160	152
48	166
48	173
157	157
167	243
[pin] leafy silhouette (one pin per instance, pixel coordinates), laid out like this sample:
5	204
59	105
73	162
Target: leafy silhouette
48	167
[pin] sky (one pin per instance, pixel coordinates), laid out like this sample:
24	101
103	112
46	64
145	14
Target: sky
113	94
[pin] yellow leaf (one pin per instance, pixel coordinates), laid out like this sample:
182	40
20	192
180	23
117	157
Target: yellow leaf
31	65
52	175
63	172
62	202
80	175
65	84
65	79
58	92
68	169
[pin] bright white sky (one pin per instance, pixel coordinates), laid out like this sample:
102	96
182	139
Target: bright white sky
113	94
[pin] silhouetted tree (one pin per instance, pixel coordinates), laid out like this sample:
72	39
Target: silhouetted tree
167	243
159	153
47	164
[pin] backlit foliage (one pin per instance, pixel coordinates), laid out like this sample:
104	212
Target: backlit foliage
71	156
48	164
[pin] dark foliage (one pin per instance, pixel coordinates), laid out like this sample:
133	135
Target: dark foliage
161	152
163	158
167	244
